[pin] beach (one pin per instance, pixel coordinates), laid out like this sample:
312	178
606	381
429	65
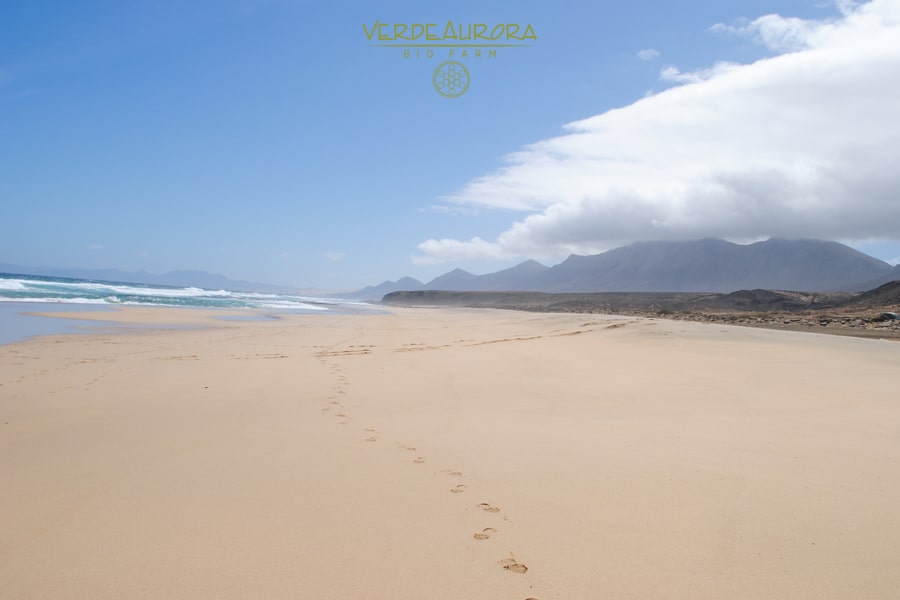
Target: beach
447	453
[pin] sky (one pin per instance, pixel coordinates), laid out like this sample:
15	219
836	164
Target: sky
274	141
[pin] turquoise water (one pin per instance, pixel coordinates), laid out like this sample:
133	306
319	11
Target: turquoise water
20	294
32	288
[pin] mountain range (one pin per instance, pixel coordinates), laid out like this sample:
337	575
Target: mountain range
707	265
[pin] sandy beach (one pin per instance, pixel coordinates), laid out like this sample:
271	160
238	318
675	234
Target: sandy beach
448	453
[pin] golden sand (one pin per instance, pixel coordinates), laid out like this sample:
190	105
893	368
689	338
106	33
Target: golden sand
449	454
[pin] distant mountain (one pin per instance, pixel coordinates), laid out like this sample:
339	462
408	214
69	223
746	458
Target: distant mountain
377	292
456	280
712	265
199	279
707	265
892	275
519	277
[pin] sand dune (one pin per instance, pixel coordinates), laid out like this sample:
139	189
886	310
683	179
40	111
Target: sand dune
449	454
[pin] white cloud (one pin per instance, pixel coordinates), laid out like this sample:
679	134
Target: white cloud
648	54
773	31
95	247
894	261
333	256
802	144
436	251
674	75
450	210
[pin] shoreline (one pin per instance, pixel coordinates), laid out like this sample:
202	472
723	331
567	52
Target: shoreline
446	454
26	320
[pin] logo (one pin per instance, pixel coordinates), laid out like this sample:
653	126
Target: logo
452	43
451	79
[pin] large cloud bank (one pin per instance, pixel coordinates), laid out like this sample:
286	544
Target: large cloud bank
802	144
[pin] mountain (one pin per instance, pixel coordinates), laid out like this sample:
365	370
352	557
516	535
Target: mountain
377	292
892	275
200	279
457	279
707	265
884	295
712	265
519	277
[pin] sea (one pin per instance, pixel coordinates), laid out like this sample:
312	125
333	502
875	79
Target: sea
20	294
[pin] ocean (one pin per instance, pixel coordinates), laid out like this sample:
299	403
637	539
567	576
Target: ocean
21	294
33	288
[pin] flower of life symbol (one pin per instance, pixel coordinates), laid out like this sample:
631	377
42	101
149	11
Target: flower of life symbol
451	79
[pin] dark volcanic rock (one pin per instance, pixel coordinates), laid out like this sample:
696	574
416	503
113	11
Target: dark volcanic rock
838	313
885	295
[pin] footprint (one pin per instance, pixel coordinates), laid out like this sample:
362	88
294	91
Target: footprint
340	415
459	489
452	473
372	439
369	429
419	460
485	534
488	508
511	564
344	422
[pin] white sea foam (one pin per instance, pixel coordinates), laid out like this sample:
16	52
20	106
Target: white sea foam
11	284
56	290
127	290
73	300
289	305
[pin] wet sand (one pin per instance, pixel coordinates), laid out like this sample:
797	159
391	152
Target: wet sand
448	453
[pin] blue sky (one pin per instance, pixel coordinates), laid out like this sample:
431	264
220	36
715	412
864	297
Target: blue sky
270	141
